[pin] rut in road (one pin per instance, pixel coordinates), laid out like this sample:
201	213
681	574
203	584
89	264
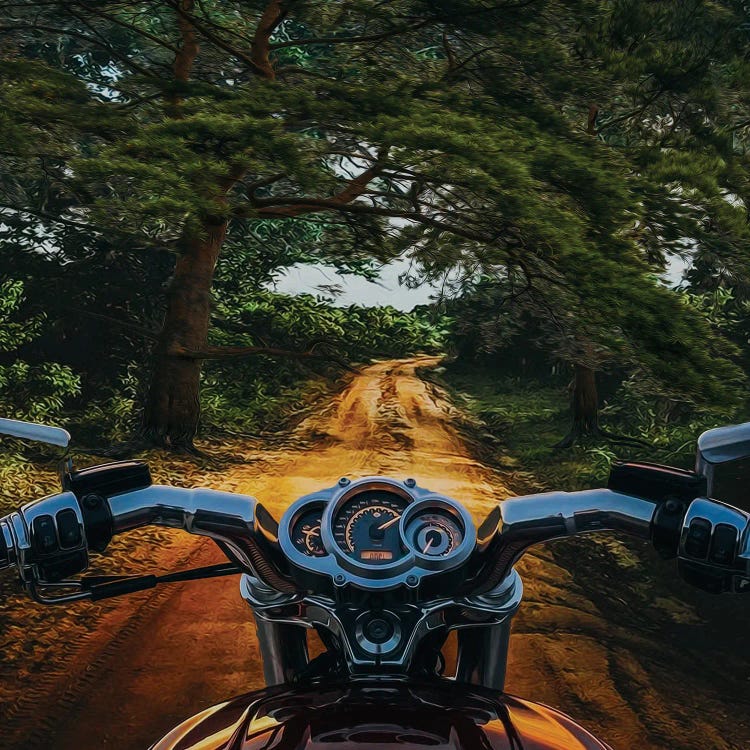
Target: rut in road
195	646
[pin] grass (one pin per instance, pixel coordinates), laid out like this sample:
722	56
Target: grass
525	419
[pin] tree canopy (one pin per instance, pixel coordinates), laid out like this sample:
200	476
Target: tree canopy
565	149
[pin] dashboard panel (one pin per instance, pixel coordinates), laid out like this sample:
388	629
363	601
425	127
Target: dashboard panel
376	532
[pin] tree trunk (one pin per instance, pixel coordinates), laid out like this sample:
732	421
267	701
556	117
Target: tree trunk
584	406
584	401
173	404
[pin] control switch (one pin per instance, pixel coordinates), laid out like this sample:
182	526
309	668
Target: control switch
45	538
698	538
68	528
723	544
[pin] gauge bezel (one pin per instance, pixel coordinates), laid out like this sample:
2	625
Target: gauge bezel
342	570
430	504
370	570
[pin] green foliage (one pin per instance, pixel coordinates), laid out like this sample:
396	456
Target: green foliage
38	392
254	393
304	320
526	417
488	165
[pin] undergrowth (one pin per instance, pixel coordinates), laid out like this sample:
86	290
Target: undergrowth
528	417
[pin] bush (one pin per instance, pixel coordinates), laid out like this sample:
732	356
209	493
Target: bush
37	392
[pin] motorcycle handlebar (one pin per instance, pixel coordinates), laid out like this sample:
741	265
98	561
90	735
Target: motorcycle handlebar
238	523
520	522
49	539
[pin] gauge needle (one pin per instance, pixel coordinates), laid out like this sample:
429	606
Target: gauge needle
388	523
427	546
314	531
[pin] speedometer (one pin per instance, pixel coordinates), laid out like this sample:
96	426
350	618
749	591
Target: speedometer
366	527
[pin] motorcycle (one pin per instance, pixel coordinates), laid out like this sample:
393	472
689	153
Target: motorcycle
383	570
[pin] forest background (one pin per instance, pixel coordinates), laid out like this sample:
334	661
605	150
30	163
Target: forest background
571	177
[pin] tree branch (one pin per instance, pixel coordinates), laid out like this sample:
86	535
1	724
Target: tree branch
185	55
153	336
239	352
211	37
270	208
132	27
273	15
352	39
356	187
78	35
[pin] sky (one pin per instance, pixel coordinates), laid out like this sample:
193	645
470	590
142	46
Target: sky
356	290
313	278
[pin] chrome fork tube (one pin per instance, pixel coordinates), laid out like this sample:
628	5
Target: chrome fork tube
283	645
483	648
483	655
283	648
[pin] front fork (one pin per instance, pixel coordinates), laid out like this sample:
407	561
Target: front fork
483	649
483	623
283	644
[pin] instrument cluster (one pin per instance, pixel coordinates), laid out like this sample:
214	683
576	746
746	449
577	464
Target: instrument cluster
376	530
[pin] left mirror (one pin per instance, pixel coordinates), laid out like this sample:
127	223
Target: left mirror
41	433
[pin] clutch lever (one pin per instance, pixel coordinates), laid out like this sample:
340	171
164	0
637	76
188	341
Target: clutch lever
96	588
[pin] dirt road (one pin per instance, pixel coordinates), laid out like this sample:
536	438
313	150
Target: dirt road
185	647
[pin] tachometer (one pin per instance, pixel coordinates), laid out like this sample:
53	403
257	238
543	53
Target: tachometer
306	533
366	527
434	534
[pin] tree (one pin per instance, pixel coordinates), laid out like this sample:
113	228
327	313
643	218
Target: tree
663	87
442	129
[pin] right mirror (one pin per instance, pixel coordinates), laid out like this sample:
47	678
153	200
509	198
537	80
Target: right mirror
724	459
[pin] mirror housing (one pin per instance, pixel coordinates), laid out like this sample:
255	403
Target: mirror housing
724	459
40	433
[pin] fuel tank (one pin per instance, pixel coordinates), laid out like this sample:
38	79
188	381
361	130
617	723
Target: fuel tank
378	714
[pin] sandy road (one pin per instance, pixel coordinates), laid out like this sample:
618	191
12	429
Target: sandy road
194	645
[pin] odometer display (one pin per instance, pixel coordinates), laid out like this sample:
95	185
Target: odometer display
366	527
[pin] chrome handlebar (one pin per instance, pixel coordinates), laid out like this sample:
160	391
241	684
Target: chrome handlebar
238	523
179	508
47	539
520	522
